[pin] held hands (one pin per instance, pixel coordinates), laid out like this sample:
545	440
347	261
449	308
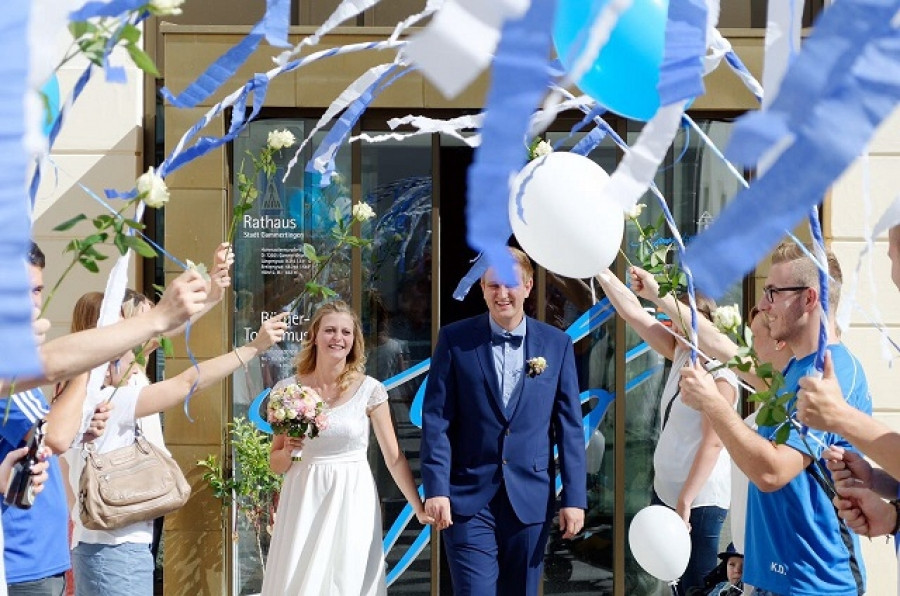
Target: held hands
820	402
183	298
857	504
438	509
424	518
571	521
270	333
292	444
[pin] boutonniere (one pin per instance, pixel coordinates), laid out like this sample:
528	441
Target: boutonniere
536	366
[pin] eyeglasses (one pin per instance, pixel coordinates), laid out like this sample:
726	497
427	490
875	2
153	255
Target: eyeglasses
770	291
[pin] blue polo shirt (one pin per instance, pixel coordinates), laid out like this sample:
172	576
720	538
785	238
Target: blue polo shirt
36	539
793	540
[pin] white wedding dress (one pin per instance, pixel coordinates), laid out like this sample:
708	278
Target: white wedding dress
328	536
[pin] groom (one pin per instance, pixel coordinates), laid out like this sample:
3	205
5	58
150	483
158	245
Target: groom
502	391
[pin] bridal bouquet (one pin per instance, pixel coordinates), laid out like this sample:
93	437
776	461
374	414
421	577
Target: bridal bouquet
296	411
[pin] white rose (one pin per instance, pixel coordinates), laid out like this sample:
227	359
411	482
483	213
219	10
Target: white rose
727	318
152	189
542	148
165	7
635	211
363	212
279	139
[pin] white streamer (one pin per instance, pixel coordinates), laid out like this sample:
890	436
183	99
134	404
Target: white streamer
347	9
471	52
347	96
431	7
425	125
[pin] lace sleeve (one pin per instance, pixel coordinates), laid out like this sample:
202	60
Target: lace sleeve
378	396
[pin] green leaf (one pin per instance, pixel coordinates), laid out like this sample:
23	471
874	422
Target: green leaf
142	60
70	223
119	243
135	225
140	246
89	264
782	434
130	34
167	347
779	415
309	251
79	29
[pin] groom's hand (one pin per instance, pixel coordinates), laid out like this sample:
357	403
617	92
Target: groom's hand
571	520
439	509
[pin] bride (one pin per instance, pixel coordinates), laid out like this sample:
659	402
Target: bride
328	533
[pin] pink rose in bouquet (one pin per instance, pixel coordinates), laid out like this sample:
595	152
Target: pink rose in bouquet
296	411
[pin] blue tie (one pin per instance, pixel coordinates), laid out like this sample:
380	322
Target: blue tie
513	340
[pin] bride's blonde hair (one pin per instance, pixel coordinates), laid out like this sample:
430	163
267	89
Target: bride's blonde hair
356	359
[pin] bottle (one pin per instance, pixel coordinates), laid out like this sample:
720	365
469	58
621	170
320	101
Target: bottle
20	490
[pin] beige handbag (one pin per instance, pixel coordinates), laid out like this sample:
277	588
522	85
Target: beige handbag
135	483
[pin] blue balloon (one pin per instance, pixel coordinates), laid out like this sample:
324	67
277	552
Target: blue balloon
50	91
625	75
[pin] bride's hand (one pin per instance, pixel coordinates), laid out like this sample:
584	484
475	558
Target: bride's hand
292	443
424	518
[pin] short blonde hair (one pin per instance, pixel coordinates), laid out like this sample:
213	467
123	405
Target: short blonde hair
806	272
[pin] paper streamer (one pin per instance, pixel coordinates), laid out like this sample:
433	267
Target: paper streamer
347	96
431	7
681	72
471	52
18	353
519	80
347	9
836	131
323	159
837	45
423	125
276	22
113	8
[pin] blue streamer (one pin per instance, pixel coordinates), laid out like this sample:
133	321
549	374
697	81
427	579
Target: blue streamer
478	268
590	141
840	38
681	72
196	365
519	79
218	72
595	112
815	229
18	353
735	62
276	22
113	8
836	131
344	125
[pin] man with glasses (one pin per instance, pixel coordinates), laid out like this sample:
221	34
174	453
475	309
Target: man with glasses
795	542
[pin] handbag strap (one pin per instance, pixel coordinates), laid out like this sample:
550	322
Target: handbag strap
669	409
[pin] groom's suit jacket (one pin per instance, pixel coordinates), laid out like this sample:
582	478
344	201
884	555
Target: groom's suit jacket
470	441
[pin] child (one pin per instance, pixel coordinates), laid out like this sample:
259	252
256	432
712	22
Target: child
734	568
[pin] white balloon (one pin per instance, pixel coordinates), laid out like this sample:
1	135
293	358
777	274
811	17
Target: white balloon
559	219
660	542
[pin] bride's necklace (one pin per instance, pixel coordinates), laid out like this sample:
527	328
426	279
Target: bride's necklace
328	395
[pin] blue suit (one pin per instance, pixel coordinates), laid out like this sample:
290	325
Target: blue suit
496	463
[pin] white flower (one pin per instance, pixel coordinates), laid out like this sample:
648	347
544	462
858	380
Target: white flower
279	139
166	7
536	366
542	148
152	189
727	319
198	267
635	212
363	212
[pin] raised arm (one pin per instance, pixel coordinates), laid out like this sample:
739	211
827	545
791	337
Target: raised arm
64	418
711	341
630	308
76	353
165	394
219	280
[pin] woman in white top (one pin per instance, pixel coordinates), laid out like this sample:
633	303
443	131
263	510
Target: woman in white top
118	562
692	470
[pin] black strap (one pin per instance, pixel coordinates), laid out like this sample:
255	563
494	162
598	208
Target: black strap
846	538
669	409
